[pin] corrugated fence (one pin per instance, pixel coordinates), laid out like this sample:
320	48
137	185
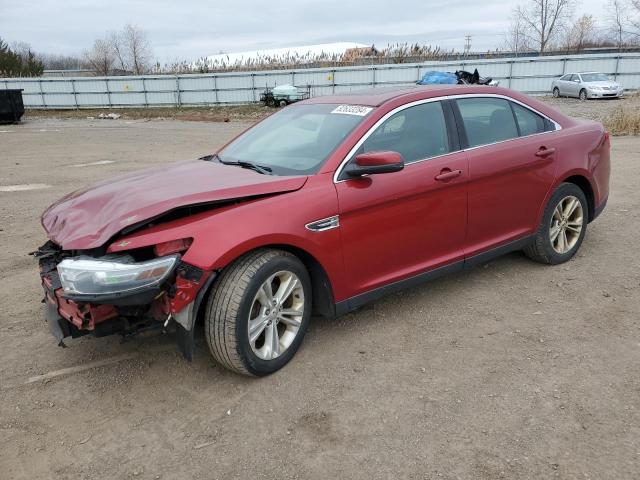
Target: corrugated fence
528	75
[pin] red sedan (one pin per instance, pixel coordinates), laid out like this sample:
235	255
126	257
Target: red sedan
318	209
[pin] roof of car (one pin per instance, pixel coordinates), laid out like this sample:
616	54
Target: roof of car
374	97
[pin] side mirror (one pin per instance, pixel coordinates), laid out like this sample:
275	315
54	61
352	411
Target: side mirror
375	162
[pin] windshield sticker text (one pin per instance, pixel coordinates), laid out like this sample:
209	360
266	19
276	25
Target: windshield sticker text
352	110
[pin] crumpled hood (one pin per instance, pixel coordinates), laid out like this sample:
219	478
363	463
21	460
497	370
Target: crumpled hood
87	218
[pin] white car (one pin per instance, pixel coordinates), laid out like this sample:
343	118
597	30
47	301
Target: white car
586	85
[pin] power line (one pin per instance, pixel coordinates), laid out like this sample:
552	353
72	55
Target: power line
467	44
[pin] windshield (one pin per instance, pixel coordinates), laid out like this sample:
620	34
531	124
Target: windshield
594	77
296	140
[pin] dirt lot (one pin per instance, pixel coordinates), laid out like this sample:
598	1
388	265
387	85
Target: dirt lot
511	370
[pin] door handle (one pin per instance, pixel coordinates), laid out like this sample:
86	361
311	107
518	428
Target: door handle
544	152
447	174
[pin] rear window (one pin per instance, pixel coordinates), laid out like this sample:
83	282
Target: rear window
529	122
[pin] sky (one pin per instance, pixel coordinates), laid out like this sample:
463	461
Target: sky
192	29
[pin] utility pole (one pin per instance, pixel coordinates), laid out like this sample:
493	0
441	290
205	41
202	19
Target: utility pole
467	45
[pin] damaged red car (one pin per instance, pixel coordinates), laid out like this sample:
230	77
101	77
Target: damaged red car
326	205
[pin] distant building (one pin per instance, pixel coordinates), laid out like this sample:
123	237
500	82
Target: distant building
352	54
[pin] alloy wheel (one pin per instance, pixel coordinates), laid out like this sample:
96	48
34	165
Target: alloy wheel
276	315
566	224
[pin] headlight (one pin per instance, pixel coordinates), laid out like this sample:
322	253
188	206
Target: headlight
109	275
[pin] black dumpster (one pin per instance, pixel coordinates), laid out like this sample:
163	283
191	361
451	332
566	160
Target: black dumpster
11	106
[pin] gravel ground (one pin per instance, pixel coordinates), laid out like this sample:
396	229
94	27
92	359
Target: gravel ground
510	370
597	110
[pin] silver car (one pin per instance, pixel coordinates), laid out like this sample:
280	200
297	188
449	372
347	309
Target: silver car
586	85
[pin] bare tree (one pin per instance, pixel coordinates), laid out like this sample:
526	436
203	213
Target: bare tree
634	18
131	49
100	58
54	61
581	33
514	40
617	20
116	44
138	48
21	48
541	21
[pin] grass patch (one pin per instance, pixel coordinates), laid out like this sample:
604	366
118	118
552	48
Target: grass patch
221	113
623	121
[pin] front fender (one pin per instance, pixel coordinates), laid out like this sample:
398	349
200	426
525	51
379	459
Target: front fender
224	234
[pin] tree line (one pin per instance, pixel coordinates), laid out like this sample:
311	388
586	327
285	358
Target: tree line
535	26
544	25
19	61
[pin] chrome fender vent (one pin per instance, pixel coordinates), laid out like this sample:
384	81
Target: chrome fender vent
324	224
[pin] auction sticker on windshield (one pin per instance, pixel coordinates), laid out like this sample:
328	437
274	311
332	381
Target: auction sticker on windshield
352	110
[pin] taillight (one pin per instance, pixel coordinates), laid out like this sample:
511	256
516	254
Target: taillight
172	246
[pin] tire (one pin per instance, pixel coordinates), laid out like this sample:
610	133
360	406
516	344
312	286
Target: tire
283	103
583	95
548	248
556	92
237	297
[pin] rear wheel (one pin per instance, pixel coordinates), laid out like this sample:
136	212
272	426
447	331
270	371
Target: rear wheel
563	226
556	92
283	103
583	94
258	312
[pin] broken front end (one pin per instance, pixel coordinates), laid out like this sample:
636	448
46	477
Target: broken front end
99	293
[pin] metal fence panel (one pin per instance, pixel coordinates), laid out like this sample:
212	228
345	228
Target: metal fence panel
92	99
161	99
604	65
393	75
529	75
323	77
628	65
353	77
29	86
261	81
56	86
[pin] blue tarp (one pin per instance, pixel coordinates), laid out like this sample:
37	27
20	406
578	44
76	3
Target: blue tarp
438	78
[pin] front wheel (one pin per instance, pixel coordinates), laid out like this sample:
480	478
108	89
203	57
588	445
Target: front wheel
583	94
258	312
563	226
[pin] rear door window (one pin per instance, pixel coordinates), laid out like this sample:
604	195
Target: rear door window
487	120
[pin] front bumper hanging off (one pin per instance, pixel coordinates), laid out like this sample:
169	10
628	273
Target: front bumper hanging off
179	299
